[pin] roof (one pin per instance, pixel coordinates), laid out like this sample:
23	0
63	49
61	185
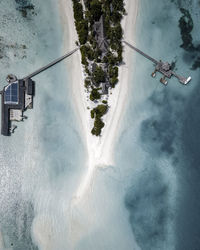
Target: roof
30	86
11	93
5	106
104	88
100	35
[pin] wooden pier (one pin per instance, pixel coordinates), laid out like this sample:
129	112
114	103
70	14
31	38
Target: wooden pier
18	95
164	68
50	64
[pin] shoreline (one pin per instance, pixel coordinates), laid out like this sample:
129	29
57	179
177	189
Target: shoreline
100	150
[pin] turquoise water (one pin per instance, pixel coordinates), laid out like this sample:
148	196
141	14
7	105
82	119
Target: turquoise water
159	142
150	198
43	158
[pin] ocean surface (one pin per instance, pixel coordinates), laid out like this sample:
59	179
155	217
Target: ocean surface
159	143
150	199
41	163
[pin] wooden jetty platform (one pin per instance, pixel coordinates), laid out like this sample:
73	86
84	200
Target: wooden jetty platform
18	95
164	68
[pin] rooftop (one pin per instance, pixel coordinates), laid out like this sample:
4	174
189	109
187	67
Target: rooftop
11	93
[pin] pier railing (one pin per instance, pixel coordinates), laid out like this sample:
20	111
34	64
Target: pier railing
164	68
142	53
50	64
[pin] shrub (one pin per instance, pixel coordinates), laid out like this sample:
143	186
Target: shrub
94	95
113	71
84	59
118	5
87	83
99	111
98	125
82	30
116	17
98	75
105	59
111	59
95	9
92	113
78	11
87	70
113	81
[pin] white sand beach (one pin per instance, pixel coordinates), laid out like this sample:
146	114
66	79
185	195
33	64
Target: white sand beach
100	149
80	215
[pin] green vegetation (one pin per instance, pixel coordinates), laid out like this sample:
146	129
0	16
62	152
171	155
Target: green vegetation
98	125
94	95
113	71
118	5
78	11
104	102
83	57
87	83
82	29
95	8
80	22
88	52
113	81
98	75
113	75
101	61
97	113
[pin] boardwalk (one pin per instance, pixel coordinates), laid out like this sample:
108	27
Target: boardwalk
18	95
164	68
50	64
142	53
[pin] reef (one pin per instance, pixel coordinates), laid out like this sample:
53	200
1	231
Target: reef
186	27
18	50
25	7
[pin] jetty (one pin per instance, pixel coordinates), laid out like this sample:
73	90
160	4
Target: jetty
17	96
164	68
51	64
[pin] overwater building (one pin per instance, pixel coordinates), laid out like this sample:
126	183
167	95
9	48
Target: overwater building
17	96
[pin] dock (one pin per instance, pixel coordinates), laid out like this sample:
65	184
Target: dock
164	68
50	64
17	96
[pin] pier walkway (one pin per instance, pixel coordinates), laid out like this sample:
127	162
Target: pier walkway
17	96
164	68
50	64
142	53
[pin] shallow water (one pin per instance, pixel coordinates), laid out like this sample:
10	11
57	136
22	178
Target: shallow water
159	142
149	199
44	156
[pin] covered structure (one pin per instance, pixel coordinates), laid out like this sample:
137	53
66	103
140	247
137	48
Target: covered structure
14	103
100	35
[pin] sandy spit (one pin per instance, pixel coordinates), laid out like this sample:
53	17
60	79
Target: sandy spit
100	150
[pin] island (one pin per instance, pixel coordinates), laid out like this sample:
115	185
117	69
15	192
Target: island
98	25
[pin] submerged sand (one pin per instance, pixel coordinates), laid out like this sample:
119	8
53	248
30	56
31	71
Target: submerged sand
79	214
99	149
